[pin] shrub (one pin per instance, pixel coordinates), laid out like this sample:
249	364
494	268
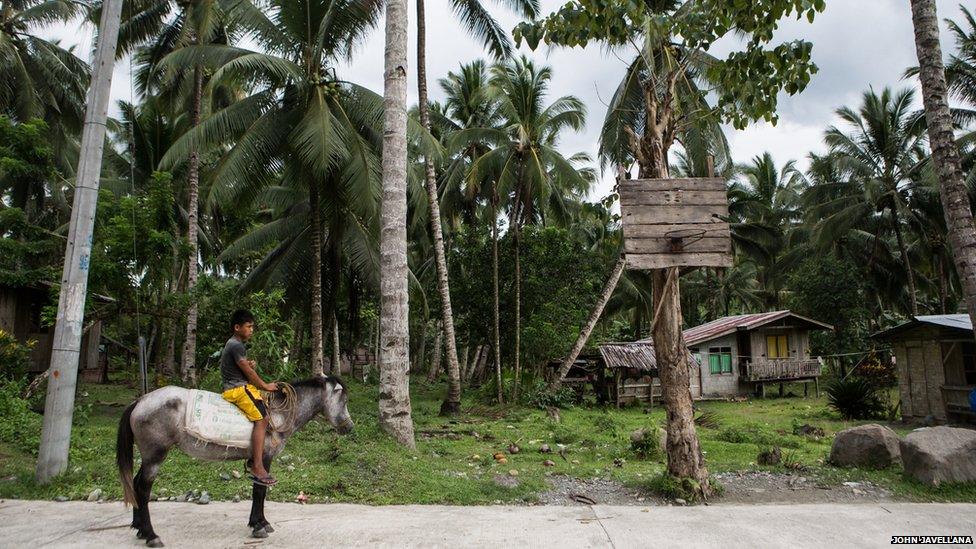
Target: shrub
21	426
879	373
684	488
646	443
606	424
541	397
770	456
14	356
855	398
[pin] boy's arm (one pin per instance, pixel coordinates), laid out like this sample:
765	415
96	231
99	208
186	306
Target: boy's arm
252	376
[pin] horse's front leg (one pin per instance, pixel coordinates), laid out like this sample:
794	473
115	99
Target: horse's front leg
260	527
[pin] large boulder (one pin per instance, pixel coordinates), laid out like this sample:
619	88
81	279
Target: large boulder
870	445
934	455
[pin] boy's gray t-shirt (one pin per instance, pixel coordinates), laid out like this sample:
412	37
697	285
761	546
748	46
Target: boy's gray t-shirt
230	373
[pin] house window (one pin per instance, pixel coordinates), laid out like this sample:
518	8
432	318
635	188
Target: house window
777	346
720	360
969	363
696	354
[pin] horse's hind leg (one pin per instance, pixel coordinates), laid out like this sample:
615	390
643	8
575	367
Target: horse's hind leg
143	485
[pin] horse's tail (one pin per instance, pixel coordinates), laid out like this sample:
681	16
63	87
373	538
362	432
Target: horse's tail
123	455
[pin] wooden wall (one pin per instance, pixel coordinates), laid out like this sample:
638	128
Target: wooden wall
799	341
921	374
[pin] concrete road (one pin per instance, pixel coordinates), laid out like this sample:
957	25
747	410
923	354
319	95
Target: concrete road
78	524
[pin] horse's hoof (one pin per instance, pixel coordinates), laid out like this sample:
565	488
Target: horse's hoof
259	533
268	528
155	542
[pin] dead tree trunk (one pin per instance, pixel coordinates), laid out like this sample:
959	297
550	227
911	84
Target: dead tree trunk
685	459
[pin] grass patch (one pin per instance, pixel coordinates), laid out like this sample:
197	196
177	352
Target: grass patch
453	462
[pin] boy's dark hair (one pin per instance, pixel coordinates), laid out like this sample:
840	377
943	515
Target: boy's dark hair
240	316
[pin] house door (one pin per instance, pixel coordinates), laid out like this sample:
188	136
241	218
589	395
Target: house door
743	342
917	388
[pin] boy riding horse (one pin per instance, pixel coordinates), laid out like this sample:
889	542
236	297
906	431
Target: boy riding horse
240	385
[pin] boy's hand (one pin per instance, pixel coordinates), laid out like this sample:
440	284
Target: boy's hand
271	387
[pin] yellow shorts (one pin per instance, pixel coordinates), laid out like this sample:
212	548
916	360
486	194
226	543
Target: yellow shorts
248	399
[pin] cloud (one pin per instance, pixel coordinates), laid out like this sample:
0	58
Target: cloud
857	44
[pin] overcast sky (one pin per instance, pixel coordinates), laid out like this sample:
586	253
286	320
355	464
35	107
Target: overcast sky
856	44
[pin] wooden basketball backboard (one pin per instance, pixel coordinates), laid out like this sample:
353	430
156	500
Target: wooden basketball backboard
675	223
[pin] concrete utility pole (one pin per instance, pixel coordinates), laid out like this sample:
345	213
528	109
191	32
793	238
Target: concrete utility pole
52	458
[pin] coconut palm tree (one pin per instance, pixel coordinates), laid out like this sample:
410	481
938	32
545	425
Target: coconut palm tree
470	104
530	173
302	127
945	151
394	402
479	23
166	26
859	235
40	78
767	208
960	69
881	154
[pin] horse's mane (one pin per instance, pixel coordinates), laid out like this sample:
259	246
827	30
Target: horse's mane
318	381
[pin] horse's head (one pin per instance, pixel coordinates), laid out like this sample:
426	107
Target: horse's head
334	405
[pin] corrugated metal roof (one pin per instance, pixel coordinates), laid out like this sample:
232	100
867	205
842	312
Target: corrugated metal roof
730	324
639	355
955	322
629	355
960	322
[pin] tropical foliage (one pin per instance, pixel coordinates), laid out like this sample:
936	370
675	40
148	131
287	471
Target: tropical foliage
288	160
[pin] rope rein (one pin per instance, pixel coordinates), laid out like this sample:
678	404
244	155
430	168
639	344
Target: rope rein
285	404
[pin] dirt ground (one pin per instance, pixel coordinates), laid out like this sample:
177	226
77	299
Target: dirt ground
753	487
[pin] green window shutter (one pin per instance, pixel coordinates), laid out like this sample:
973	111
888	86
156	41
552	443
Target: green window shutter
727	363
715	364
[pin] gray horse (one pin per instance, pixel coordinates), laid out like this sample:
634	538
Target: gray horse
155	423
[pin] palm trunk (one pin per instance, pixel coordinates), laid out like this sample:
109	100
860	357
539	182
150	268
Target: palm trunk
435	359
189	373
452	402
295	354
336	367
494	282
394	359
420	358
594	317
315	299
518	311
945	152
903	249
943	286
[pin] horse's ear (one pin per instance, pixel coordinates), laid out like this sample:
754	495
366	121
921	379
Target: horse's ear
337	388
